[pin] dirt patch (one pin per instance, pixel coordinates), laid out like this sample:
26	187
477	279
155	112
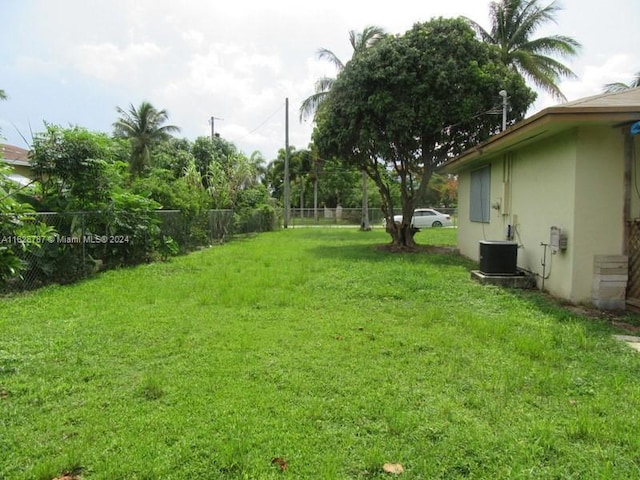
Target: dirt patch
622	320
71	474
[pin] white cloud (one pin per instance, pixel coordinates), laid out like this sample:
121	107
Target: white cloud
591	79
616	68
111	63
30	65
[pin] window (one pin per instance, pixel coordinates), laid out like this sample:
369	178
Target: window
480	190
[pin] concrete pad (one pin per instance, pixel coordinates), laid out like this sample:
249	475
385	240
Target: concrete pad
633	342
521	280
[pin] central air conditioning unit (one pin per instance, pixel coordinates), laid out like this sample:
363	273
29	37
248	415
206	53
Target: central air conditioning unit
498	257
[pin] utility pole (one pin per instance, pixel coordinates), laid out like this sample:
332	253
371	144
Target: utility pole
503	94
212	122
286	163
315	191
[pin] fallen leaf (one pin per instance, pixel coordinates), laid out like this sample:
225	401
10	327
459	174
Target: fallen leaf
281	462
394	468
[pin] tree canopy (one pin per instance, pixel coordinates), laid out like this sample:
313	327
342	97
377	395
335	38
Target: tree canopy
412	102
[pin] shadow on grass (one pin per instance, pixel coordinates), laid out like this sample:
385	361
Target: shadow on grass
431	254
595	319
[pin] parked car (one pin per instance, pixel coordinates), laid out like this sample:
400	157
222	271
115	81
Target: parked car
426	218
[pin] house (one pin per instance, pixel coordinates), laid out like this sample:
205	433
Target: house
564	185
18	159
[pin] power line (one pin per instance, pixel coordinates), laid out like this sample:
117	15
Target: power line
265	121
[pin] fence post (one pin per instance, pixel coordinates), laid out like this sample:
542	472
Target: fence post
83	230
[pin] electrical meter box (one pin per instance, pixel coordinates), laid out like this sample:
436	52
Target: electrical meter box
558	240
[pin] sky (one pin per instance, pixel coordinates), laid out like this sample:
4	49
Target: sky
72	62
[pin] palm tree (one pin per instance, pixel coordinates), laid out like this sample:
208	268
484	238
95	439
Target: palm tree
144	128
513	23
360	42
620	87
3	96
258	164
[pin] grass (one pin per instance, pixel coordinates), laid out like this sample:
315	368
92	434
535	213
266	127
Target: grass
315	349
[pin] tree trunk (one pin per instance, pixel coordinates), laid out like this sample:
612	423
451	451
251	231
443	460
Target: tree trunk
402	236
364	224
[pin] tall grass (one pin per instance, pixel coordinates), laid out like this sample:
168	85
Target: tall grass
315	348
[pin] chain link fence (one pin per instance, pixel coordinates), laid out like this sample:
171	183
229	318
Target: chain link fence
83	243
336	217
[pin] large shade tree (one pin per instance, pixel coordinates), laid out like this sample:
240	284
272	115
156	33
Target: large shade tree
145	128
513	24
410	103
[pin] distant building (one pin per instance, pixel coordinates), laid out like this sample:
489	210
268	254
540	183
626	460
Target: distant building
18	159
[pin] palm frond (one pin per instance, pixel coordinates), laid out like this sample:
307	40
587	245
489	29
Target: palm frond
329	56
324	84
480	31
311	104
366	39
360	42
616	87
554	45
543	71
528	16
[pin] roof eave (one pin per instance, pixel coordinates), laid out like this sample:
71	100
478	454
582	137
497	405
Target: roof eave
560	117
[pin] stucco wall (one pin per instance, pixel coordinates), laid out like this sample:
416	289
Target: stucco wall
599	209
572	181
543	193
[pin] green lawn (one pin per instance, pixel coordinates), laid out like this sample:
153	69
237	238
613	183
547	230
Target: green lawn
313	346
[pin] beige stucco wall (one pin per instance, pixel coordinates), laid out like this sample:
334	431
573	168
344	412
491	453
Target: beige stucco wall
572	181
599	217
543	193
